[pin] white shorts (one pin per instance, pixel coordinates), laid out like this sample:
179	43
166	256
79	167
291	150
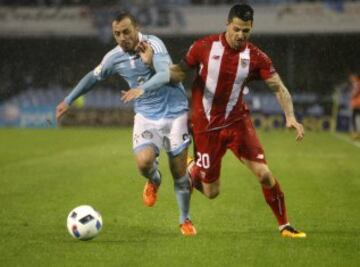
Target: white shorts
170	134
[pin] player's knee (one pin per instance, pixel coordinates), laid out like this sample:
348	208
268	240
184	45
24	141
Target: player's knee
211	194
265	177
145	166
177	173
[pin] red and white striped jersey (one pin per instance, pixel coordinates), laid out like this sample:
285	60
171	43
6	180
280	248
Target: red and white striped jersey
222	74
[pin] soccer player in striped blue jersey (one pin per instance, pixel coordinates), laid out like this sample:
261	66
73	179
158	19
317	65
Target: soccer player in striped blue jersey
161	108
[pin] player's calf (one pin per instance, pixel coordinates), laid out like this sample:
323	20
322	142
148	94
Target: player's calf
274	197
195	182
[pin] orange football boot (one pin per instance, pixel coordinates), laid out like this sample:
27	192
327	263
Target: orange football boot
187	228
149	194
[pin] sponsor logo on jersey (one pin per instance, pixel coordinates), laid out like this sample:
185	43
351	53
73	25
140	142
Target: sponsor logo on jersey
216	57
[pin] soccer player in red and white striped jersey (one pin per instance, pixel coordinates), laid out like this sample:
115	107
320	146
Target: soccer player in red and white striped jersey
225	63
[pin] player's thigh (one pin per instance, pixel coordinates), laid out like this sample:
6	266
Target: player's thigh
261	171
176	136
244	142
176	140
209	149
146	141
145	157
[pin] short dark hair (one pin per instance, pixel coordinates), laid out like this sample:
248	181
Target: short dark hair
125	14
241	11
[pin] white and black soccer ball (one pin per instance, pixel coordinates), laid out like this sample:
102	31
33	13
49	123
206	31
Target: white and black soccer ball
84	222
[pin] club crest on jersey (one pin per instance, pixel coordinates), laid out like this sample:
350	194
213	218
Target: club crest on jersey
140	80
147	135
244	62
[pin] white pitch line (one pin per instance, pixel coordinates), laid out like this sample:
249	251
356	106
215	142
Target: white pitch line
346	139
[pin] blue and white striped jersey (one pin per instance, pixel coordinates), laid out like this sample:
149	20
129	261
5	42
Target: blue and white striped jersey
160	99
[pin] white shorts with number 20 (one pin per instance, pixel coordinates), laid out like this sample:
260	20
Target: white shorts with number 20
170	134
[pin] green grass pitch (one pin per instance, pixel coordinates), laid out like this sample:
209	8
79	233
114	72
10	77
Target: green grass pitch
46	173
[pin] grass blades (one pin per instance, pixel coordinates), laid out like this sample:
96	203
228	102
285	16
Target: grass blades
46	173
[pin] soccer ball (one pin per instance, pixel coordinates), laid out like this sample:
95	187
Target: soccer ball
84	222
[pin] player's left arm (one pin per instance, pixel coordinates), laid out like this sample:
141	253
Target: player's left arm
284	98
161	77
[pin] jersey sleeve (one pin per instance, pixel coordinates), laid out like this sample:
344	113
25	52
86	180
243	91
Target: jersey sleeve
263	68
105	68
161	63
158	46
84	86
192	57
161	76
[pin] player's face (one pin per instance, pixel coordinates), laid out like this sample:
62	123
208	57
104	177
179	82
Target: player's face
126	34
238	32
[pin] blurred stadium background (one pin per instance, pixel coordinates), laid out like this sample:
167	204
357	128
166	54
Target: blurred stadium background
46	46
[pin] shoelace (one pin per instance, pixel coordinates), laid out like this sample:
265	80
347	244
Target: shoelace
290	229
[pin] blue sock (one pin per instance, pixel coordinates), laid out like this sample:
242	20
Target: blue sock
182	191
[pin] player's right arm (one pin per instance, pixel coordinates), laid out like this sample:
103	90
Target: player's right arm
86	84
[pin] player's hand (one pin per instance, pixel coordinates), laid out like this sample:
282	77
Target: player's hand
292	123
145	51
176	74
132	94
61	109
